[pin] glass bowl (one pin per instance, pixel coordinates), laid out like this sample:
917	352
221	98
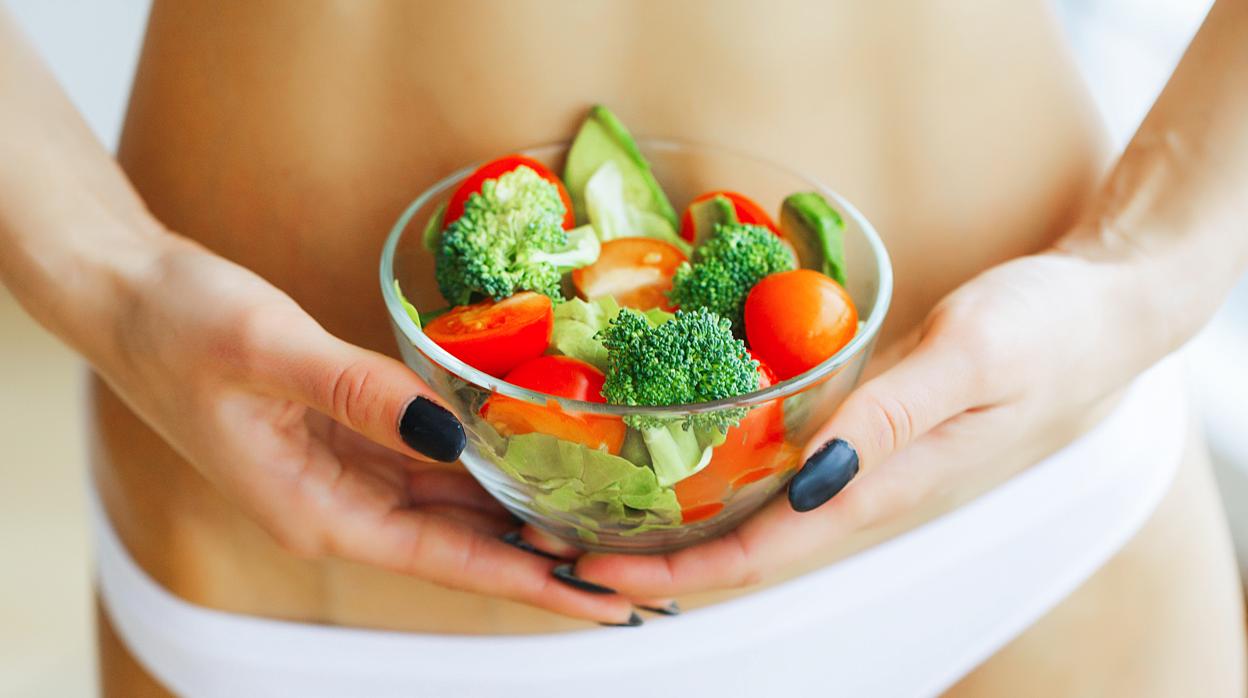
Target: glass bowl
588	498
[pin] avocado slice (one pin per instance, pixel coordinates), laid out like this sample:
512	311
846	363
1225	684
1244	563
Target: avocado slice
709	213
602	137
817	233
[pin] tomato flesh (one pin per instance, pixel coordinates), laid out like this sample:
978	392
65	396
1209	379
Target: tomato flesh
747	212
496	336
795	320
497	168
751	451
561	376
637	272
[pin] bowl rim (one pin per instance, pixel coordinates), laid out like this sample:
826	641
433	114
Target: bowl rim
782	389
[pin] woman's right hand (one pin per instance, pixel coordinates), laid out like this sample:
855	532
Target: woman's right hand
330	447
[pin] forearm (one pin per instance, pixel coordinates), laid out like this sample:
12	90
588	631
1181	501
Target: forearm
1174	212
72	230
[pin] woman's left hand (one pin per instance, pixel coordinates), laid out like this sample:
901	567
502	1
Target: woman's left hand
1004	370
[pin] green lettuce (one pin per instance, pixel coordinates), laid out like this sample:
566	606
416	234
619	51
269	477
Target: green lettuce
412	312
432	236
577	323
592	486
417	317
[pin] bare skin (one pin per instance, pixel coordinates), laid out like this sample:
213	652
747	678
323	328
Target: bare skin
286	137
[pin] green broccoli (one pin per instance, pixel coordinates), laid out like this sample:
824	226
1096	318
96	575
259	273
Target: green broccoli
691	358
726	267
510	239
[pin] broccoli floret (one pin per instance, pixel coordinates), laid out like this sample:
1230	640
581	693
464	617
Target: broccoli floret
510	238
691	358
726	267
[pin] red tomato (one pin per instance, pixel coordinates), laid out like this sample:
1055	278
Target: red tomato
750	452
495	169
561	376
795	320
496	336
637	272
747	212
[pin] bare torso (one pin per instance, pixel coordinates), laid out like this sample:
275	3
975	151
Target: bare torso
288	135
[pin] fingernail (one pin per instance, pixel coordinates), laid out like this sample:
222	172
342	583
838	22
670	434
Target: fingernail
824	474
634	620
513	539
432	430
672	609
564	574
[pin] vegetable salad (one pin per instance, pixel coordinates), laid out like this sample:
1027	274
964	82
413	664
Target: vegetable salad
588	286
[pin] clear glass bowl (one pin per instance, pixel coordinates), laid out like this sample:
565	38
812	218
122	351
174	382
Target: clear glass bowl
742	475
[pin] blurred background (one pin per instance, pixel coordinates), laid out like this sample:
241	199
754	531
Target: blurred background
1126	50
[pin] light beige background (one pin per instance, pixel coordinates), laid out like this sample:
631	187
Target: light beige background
45	596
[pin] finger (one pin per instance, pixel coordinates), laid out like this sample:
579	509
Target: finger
545	542
537	541
491	525
881	417
450	553
663	607
435	486
369	392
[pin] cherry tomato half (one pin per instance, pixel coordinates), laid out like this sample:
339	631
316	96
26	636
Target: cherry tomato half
496	336
637	272
497	168
747	212
750	452
561	376
795	320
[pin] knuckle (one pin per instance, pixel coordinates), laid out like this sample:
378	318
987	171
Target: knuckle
349	394
984	349
247	336
892	421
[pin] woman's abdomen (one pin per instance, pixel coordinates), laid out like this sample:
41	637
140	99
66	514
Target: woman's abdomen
288	136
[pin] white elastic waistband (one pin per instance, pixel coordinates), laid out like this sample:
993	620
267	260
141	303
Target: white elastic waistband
905	618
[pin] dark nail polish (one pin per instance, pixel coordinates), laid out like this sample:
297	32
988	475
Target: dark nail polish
513	539
564	574
672	609
634	620
824	474
432	430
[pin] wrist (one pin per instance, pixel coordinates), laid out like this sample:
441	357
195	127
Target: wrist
1138	306
77	276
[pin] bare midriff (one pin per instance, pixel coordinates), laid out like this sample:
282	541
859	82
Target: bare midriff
289	135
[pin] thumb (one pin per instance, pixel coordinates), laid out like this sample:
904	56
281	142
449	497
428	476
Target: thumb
882	416
371	393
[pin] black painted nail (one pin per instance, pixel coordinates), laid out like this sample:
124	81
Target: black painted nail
564	574
513	539
431	429
634	620
824	474
672	609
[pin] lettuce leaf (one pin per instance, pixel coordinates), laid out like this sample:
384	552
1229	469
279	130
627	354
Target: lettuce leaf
432	235
594	487
411	309
577	323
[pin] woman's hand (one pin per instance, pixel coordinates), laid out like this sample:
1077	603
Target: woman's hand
330	447
1004	370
